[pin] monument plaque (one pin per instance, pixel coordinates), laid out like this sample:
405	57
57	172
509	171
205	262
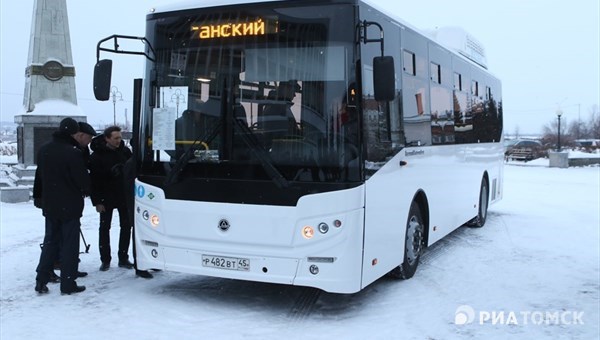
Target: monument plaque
53	70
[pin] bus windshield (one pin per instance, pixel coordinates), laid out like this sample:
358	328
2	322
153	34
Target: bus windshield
253	94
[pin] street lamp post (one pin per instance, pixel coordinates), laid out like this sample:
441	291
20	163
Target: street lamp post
558	114
178	97
578	121
116	95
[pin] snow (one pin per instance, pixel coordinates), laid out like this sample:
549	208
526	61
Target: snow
537	257
581	154
9	159
55	107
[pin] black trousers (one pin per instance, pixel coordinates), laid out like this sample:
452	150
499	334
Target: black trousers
124	235
66	234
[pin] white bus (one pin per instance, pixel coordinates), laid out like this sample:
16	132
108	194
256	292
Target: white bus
311	143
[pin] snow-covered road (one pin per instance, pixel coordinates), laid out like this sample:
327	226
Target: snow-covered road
532	272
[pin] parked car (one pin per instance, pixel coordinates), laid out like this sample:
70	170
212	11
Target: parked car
587	145
523	150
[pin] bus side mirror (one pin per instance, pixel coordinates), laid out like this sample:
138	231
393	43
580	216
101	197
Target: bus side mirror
384	78
102	75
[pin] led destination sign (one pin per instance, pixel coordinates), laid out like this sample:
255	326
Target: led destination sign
235	29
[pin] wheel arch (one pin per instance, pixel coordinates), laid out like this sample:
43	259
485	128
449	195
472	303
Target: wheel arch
487	179
478	221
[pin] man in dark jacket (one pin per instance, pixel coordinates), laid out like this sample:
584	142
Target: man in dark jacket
106	171
64	177
83	137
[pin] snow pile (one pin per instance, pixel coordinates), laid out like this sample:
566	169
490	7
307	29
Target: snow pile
8	155
55	107
8	149
584	154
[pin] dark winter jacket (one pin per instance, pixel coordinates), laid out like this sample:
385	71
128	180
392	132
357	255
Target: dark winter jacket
106	171
61	179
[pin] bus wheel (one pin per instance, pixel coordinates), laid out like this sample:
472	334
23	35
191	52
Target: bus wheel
413	244
479	220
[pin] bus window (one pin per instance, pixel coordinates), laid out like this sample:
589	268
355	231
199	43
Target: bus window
409	63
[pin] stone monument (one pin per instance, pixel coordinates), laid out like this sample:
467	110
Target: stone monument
50	94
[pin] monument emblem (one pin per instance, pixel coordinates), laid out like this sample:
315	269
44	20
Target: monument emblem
53	70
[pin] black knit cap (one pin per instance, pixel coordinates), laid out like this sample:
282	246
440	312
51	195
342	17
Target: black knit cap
69	126
87	129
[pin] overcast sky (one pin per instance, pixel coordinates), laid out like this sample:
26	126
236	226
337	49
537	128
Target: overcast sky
545	52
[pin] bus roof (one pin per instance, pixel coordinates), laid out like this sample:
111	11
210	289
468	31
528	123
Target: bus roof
189	4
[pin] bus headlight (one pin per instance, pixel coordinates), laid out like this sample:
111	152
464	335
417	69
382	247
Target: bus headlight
308	232
154	220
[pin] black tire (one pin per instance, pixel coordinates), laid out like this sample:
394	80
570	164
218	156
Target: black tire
479	220
413	244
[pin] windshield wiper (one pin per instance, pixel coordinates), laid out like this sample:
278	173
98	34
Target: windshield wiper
261	154
188	154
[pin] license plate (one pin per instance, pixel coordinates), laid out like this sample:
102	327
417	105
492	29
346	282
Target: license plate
222	262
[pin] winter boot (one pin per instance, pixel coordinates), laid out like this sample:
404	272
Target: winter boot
41	288
143	274
124	261
74	290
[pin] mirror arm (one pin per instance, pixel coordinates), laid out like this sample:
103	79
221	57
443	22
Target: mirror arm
115	48
365	25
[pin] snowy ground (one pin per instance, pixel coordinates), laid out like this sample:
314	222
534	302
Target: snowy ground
534	267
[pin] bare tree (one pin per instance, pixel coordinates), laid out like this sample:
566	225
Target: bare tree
594	123
577	129
570	132
550	134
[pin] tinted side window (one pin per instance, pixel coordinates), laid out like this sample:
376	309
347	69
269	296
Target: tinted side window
409	63
458	81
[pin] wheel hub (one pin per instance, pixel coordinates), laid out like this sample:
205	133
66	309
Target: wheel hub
414	240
